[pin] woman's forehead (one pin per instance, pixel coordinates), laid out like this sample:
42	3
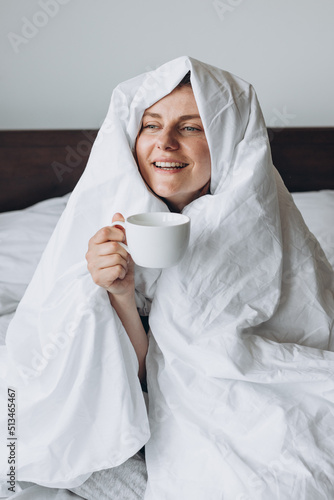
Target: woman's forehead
181	102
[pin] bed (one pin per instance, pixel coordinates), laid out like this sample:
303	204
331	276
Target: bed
39	169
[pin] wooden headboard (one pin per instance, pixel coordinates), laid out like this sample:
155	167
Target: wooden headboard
36	165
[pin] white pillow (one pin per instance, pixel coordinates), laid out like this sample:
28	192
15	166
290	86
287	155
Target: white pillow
317	209
23	237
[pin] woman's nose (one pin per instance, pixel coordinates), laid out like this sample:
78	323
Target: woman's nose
167	140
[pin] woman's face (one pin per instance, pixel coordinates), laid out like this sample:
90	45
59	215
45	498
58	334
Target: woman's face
172	151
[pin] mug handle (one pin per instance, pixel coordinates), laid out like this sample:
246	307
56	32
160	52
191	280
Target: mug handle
120	223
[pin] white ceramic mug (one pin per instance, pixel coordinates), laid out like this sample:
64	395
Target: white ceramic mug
156	239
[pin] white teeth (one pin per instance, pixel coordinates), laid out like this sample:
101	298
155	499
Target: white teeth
166	164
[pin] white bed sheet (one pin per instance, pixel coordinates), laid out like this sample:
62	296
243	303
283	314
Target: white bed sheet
24	235
35	492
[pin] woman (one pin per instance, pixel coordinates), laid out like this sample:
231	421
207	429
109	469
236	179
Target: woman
239	355
174	160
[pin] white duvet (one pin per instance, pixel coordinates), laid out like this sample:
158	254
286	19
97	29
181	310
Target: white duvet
240	362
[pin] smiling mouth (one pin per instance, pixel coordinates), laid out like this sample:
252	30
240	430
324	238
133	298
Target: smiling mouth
164	165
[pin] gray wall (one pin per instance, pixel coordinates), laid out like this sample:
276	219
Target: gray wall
62	58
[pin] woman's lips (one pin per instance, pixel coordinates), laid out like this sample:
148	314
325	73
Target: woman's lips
165	165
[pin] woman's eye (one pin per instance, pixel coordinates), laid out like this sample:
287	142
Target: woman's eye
191	129
150	126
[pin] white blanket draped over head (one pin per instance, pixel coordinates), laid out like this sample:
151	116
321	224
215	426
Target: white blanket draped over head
240	361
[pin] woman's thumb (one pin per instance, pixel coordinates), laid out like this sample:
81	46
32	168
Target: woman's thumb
118	217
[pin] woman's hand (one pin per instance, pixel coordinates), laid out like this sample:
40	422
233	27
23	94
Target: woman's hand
112	268
108	262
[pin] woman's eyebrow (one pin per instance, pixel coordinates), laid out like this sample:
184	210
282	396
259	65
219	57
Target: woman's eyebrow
152	115
189	117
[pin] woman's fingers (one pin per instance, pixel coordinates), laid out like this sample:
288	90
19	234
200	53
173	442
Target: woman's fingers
108	276
108	262
107	268
117	216
105	261
106	255
107	233
110	248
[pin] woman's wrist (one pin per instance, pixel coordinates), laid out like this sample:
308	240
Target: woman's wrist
122	299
